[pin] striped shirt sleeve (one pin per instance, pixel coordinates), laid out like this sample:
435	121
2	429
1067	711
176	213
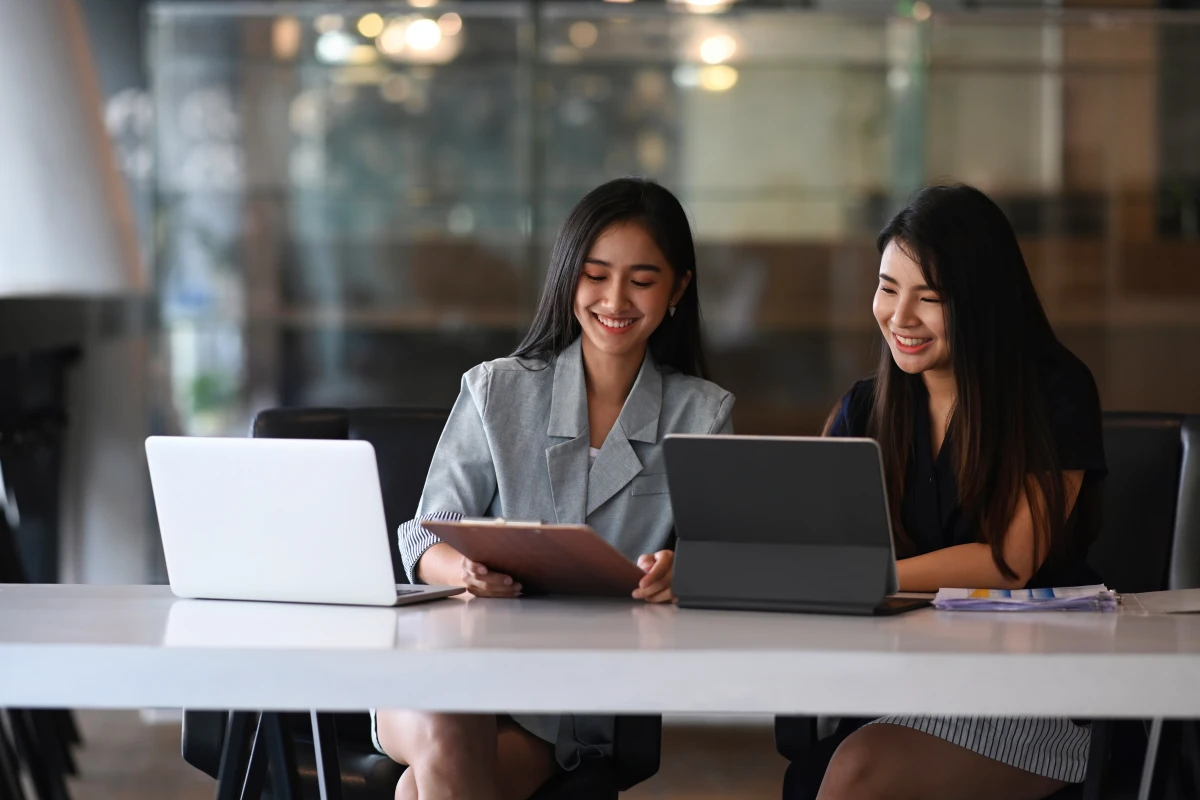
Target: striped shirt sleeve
415	540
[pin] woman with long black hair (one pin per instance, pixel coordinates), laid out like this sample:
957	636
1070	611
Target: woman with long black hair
569	428
990	432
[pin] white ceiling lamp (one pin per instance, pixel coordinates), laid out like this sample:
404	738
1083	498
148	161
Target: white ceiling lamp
66	228
705	6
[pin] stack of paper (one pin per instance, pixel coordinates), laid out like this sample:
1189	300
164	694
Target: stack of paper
1071	598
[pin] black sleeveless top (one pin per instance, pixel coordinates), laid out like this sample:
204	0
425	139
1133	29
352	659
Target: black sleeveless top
930	510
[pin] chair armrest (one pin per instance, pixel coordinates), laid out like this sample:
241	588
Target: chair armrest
202	738
794	736
637	747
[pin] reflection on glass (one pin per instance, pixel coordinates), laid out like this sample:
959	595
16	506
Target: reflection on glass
355	208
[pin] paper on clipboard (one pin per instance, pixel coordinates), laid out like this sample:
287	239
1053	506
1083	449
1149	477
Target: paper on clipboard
548	558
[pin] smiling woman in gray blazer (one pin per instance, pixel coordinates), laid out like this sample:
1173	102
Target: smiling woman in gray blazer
568	429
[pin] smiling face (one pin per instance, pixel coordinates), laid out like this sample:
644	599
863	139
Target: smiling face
910	314
624	290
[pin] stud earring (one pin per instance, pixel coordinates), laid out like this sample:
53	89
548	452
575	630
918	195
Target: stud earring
671	310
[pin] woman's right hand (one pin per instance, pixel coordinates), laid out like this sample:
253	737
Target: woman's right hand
482	582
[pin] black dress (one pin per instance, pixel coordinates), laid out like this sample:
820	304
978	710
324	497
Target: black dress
930	511
932	519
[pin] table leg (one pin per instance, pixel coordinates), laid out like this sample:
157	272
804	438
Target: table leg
329	774
256	769
10	768
1097	766
69	726
54	751
67	734
231	774
1190	753
285	782
1161	748
38	755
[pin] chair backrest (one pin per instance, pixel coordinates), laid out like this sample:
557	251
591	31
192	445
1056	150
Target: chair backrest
1185	560
1133	551
404	440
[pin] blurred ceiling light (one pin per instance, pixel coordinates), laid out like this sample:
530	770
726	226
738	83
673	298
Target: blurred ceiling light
566	54
396	88
370	25
921	11
583	34
362	54
391	41
718	78
717	49
898	78
334	47
461	220
686	76
650	86
306	113
451	24
706	6
423	35
360	75
286	34
327	23
618	1
422	3
651	150
417	40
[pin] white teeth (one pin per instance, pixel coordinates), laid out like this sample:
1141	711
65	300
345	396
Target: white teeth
904	340
614	323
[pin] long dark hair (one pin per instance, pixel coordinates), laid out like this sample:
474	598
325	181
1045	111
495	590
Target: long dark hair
677	341
998	335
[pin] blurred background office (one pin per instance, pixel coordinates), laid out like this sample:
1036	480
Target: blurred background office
346	203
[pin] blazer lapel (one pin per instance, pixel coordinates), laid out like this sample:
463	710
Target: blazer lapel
617	464
567	461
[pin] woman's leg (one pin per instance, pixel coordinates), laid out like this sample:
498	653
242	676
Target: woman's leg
898	763
463	756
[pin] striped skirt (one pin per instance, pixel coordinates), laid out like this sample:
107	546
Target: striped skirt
1053	748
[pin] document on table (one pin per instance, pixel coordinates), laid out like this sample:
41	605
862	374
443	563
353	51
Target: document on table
1069	598
1180	601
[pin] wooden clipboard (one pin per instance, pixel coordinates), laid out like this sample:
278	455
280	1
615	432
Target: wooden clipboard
551	559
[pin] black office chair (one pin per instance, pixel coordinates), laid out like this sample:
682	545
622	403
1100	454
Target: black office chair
404	442
1149	540
38	742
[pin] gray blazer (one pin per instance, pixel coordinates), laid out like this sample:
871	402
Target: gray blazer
516	445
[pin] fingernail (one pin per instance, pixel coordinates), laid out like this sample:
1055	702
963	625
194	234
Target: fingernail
481	569
508	580
517	588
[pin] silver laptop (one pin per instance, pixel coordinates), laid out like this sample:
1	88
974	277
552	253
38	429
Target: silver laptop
293	520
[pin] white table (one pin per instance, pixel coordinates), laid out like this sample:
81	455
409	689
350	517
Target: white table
138	646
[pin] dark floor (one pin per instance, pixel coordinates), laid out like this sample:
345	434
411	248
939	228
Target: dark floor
126	759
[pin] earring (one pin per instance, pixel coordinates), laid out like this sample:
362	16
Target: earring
671	310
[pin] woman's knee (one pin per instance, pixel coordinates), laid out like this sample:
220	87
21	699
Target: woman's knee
406	787
411	737
857	770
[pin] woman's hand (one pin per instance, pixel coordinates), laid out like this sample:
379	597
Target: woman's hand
655	586
482	582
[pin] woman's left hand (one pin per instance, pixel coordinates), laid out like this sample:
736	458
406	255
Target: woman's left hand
655	586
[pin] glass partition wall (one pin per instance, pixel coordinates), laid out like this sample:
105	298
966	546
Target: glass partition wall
355	202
